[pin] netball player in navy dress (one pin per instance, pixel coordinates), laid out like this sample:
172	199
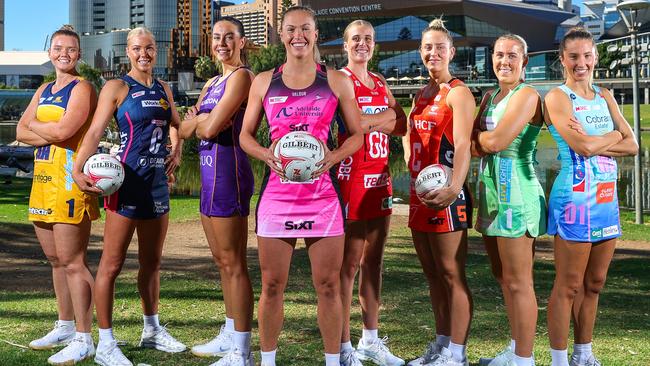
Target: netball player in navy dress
144	109
226	188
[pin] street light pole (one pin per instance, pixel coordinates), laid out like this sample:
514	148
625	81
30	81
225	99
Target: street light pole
632	6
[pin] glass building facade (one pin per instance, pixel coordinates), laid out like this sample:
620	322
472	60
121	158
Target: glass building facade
473	24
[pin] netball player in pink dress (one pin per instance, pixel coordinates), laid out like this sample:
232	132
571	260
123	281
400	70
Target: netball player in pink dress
301	94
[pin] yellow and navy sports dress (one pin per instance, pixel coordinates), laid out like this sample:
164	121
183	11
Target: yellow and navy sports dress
143	119
55	197
583	205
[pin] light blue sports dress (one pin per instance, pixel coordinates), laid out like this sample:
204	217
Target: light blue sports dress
583	205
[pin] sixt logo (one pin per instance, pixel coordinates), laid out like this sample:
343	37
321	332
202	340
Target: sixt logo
299	127
299	225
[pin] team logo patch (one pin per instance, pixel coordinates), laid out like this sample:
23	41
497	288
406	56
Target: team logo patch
40	211
41	100
578	172
605	192
276	100
299	94
573	96
364	99
57	100
583	108
164	104
151	104
137	94
610	230
159	122
299	225
375	180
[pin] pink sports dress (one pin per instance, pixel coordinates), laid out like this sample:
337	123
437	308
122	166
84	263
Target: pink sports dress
308	209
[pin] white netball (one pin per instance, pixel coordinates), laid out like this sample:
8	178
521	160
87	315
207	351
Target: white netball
299	153
432	177
106	171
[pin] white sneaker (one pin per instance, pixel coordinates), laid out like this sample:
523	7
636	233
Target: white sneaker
446	359
592	361
377	352
502	358
76	351
236	358
109	354
161	340
430	354
349	358
61	335
218	346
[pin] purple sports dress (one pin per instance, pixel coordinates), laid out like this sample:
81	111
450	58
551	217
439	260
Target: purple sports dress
226	174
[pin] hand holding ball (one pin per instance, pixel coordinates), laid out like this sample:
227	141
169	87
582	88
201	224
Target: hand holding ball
106	171
431	178
299	153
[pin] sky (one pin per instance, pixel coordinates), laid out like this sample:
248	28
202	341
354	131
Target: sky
26	32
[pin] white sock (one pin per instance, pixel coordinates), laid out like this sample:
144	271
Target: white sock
513	345
230	324
559	357
346	346
151	322
87	337
582	351
242	341
443	340
457	351
105	335
369	335
268	358
332	359
69	324
523	361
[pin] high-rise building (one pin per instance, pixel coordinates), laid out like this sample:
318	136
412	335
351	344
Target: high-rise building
261	19
2	25
191	36
103	26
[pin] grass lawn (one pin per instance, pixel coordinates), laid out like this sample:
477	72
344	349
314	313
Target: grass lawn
192	303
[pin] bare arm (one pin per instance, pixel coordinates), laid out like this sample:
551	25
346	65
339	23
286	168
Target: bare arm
252	119
559	112
628	145
81	106
23	133
220	117
188	125
406	139
110	97
174	158
342	87
392	121
462	103
524	106
475	149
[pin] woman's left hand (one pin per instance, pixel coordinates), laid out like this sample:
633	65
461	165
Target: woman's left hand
440	199
328	161
172	162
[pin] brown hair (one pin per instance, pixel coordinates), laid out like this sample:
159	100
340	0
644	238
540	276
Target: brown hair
66	30
357	23
513	37
576	33
312	15
240	29
439	25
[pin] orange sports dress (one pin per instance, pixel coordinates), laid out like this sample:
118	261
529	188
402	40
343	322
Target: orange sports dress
432	142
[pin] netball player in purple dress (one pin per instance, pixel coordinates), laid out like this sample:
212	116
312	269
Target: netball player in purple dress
226	188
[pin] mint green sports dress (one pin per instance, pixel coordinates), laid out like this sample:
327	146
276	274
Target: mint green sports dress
511	200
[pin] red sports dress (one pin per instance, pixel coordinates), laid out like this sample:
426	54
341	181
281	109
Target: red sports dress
432	142
364	178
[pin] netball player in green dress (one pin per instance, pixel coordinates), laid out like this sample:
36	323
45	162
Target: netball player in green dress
512	209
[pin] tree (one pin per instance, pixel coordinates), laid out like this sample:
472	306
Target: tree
267	58
606	58
93	75
205	68
404	34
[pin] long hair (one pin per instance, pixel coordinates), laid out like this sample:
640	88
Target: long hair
312	15
243	56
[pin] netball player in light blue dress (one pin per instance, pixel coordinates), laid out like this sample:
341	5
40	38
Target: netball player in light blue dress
583	215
